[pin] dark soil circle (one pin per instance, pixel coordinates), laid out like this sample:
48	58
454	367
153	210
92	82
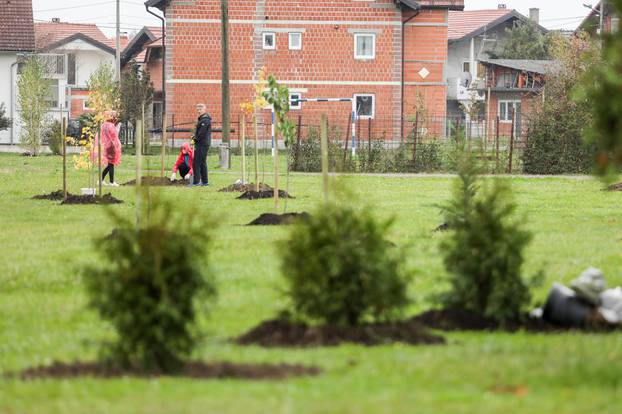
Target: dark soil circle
195	370
461	320
283	333
158	182
53	196
255	195
615	187
242	188
269	219
89	199
442	227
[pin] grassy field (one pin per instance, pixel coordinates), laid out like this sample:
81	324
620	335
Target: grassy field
43	316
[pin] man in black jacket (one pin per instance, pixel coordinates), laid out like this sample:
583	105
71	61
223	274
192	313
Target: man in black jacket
202	142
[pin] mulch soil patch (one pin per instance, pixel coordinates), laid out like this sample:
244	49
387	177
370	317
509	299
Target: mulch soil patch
615	187
53	196
158	182
283	333
89	199
195	370
255	195
269	219
460	320
242	188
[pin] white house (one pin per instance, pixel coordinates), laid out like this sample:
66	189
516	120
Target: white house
17	36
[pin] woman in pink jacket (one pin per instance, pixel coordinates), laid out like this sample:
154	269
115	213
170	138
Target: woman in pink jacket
111	147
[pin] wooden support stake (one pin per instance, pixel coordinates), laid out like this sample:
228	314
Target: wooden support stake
512	141
243	143
256	155
63	135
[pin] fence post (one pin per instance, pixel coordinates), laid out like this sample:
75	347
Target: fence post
511	141
415	133
497	140
324	146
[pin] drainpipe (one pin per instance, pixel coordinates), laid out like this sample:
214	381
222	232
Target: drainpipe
13	102
404	67
163	59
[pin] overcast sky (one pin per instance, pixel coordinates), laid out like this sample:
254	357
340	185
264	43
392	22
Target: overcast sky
554	14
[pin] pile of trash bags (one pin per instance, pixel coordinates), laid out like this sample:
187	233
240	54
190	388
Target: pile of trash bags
587	303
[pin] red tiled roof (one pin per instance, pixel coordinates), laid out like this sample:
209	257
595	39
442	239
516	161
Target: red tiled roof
48	34
466	22
16	26
452	4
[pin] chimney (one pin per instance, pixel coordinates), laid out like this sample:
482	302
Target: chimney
502	6
55	19
534	15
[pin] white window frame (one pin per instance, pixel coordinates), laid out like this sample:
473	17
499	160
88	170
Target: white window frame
298	105
373	48
263	40
299	47
85	105
509	104
373	105
466	62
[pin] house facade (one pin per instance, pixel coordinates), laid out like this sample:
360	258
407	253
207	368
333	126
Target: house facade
473	36
591	24
388	56
17	37
77	50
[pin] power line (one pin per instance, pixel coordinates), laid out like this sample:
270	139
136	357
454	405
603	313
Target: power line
101	3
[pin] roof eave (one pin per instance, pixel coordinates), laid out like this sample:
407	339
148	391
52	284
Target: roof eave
512	14
83	37
156	3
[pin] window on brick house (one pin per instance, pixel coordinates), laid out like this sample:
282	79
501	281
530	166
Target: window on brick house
365	106
295	41
505	110
269	41
364	46
294	102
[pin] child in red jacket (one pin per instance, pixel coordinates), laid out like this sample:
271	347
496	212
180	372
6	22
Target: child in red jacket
184	163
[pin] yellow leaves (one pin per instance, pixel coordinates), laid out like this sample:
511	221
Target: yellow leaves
258	102
247	108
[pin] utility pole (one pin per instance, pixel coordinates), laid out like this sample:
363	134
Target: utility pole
118	43
226	110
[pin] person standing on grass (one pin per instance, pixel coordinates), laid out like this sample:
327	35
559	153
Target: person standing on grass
202	142
111	147
184	163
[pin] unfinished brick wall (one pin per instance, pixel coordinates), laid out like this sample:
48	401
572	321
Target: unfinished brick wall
325	67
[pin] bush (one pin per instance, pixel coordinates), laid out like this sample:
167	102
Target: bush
484	253
150	285
307	157
340	269
54	137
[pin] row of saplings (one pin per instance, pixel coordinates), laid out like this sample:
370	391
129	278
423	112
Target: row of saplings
345	281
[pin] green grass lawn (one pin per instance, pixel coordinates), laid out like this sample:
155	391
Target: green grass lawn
43	316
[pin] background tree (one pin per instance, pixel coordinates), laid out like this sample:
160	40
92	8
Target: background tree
555	133
525	40
136	90
32	91
603	90
5	122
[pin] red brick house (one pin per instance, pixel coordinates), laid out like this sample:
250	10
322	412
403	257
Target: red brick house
388	55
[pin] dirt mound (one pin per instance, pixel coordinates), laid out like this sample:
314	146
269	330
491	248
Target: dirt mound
282	333
615	187
442	227
460	320
270	219
255	195
54	196
242	188
158	182
196	370
89	199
